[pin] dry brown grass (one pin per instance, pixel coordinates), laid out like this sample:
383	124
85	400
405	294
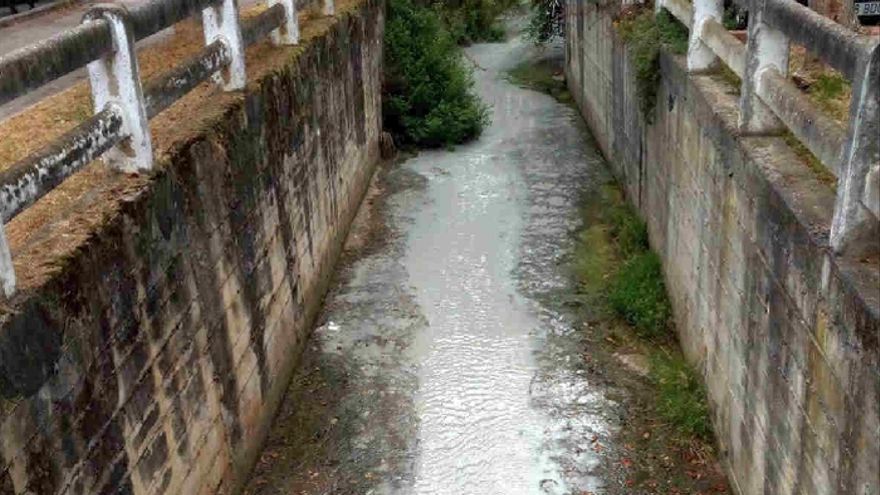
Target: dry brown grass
826	87
52	229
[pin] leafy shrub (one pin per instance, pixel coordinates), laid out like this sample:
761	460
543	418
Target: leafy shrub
681	396
735	17
428	97
547	20
472	21
645	35
639	295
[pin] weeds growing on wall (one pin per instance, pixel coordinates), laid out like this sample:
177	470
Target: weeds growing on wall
428	97
646	34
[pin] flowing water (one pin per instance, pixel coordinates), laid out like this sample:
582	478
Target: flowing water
446	361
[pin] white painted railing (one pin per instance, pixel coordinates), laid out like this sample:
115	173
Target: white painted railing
119	130
770	102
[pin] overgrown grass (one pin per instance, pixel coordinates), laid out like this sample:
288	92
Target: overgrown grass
544	76
629	232
646	34
597	257
618	271
681	396
428	97
829	86
832	92
595	261
615	262
638	294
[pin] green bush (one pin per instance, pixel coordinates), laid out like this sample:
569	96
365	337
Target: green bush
547	20
428	97
472	21
645	35
681	397
638	294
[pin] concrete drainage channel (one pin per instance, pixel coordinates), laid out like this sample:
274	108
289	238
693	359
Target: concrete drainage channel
447	358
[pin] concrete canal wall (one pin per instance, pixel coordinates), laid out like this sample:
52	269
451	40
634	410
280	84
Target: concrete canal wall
784	333
152	360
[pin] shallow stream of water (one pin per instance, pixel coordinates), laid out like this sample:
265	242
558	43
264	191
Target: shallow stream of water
448	363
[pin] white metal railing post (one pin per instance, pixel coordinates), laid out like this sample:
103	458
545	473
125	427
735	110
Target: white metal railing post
767	49
857	209
115	81
288	33
220	22
329	7
699	56
7	271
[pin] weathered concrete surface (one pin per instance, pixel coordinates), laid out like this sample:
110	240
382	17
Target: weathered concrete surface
154	358
785	333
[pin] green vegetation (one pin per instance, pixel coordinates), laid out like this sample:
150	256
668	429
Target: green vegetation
547	20
614	261
622	277
829	86
646	34
735	17
638	295
629	232
471	21
544	75
428	97
620	280
832	92
681	398
598	255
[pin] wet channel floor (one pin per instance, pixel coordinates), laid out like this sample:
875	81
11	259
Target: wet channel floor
445	361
